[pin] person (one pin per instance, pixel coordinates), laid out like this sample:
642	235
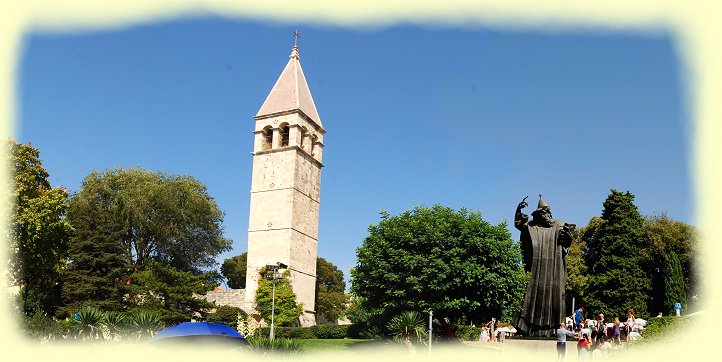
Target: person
544	245
601	329
616	331
660	315
578	315
583	346
562	334
629	324
484	334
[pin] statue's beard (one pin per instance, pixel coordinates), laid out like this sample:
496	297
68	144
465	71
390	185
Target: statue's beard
543	220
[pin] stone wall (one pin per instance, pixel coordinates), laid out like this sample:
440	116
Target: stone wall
230	297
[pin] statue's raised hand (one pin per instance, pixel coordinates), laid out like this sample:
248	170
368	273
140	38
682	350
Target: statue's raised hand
522	204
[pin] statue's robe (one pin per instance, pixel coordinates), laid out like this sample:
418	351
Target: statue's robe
544	253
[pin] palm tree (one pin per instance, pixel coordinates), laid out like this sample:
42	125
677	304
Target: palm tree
408	327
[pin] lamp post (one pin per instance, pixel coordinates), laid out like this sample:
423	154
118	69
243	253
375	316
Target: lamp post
273	275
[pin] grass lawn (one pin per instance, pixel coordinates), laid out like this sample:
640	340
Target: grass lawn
334	344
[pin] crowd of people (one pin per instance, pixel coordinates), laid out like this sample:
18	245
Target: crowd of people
595	337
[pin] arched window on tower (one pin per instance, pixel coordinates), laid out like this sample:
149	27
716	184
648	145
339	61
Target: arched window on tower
285	134
267	138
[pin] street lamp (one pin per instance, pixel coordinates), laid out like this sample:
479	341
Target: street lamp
273	275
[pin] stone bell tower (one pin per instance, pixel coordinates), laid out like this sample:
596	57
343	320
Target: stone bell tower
285	187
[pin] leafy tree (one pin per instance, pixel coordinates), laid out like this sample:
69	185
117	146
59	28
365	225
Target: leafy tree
169	218
171	293
38	231
453	263
331	299
286	311
617	271
674	284
577	277
667	237
234	270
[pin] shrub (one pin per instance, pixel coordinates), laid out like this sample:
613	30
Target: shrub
364	331
289	332
466	332
330	331
277	345
227	315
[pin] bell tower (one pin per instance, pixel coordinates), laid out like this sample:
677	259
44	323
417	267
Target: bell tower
285	187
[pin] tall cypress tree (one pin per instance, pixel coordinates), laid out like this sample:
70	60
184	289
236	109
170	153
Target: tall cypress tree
673	284
617	278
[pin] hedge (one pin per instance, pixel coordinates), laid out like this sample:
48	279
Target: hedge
317	332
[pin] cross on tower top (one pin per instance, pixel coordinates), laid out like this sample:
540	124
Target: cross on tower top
296	34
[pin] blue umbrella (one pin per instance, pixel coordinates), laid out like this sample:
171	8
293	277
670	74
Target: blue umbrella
200	331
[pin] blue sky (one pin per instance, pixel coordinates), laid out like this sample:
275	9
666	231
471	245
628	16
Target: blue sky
468	117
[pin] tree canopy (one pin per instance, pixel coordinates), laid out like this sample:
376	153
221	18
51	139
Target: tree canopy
617	270
234	270
126	220
453	263
159	216
331	298
38	232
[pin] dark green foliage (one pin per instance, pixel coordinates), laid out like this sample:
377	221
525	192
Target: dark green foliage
331	299
408	327
227	315
169	292
38	231
467	332
674	284
158	216
668	236
287	310
330	331
144	324
234	270
98	268
40	326
453	263
617	270
288	332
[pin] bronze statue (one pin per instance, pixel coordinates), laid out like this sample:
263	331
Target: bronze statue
544	245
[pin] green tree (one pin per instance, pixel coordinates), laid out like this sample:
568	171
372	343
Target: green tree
673	284
97	271
331	299
577	277
158	216
171	293
617	271
234	270
668	236
453	263
38	231
286	311
126	219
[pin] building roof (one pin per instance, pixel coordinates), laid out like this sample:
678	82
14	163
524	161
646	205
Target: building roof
291	92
